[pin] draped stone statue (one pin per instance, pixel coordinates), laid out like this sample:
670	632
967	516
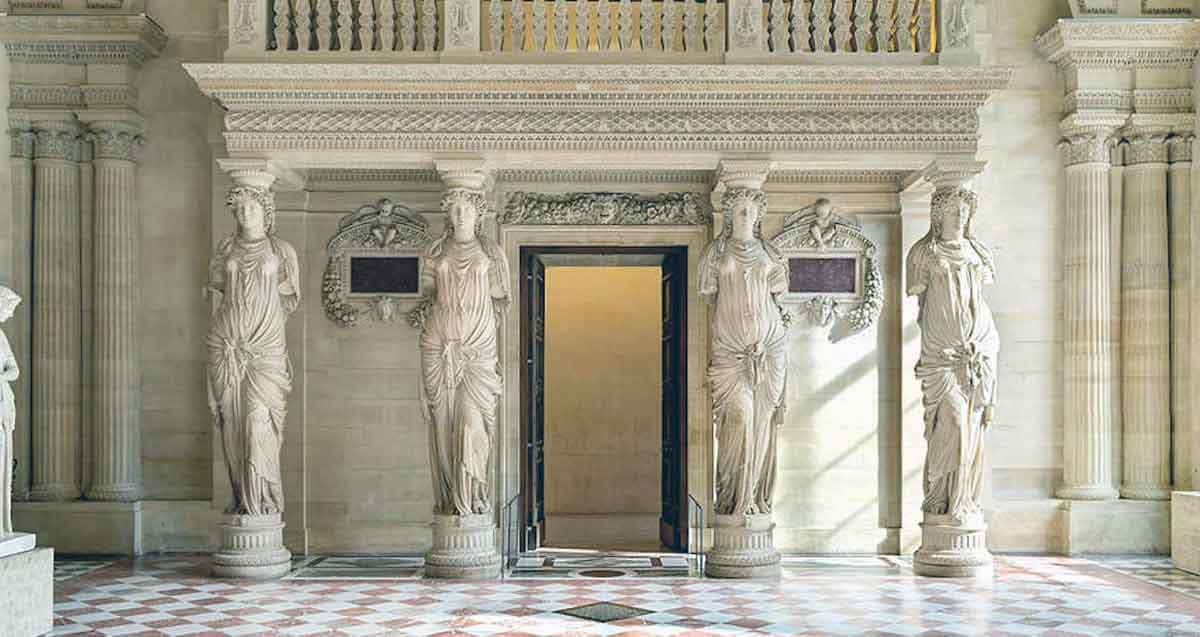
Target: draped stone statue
741	275
946	271
465	278
8	411
255	280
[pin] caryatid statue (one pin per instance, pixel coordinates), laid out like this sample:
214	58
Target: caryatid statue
947	270
742	275
8	411
254	278
465	282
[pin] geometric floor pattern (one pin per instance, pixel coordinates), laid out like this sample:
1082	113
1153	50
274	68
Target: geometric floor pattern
831	596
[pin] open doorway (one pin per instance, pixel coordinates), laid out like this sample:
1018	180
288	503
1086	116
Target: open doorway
603	398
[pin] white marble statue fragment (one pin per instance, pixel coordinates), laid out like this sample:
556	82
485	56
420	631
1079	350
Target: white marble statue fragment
255	281
8	411
947	270
743	274
465	276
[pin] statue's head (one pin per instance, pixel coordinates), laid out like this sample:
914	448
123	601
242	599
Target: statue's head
465	209
9	301
252	208
951	213
743	210
824	208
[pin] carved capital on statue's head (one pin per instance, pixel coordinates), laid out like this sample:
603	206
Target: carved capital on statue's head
117	140
952	173
734	173
57	139
470	174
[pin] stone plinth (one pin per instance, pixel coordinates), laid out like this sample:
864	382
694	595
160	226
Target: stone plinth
743	547
950	549
464	547
27	593
252	547
1185	530
17	543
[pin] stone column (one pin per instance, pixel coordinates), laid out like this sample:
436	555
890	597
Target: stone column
1145	320
1179	199
464	546
117	426
57	326
1087	284
21	169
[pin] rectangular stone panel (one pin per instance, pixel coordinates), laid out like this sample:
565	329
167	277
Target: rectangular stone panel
384	275
823	275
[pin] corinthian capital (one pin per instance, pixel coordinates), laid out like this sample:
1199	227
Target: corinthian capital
23	138
1145	146
1179	148
117	140
57	139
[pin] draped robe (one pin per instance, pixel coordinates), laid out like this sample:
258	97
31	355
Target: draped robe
460	383
747	369
249	374
957	370
8	422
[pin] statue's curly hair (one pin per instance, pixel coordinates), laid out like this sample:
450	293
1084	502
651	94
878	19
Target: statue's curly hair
473	197
945	197
735	196
262	196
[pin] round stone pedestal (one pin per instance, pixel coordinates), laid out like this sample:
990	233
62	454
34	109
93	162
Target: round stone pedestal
953	550
743	547
464	547
252	547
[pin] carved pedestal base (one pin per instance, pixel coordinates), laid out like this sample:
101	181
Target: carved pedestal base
743	547
252	547
464	547
953	550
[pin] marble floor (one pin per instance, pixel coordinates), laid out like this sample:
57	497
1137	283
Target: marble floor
819	596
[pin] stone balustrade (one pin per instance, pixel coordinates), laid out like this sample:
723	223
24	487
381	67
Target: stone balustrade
637	30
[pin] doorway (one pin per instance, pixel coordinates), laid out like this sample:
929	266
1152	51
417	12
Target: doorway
615	444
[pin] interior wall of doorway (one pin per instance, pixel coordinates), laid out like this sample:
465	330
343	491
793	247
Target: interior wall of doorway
603	460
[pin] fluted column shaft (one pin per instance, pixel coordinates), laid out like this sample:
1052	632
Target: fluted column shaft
21	170
1087	425
1179	197
117	425
1145	321
57	327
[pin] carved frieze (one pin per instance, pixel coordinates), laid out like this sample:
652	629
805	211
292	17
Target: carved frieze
818	233
380	230
592	208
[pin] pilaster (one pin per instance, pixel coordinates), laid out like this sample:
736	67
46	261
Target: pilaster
1179	204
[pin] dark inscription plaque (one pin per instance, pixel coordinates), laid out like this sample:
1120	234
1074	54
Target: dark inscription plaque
824	275
384	275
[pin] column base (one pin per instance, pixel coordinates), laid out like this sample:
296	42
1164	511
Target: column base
62	492
464	547
1139	492
27	593
953	549
743	547
115	493
252	547
1088	492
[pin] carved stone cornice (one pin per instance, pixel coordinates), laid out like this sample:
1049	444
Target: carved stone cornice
1076	43
104	7
120	140
81	39
1179	149
57	139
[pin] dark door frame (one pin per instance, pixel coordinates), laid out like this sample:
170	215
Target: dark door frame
673	260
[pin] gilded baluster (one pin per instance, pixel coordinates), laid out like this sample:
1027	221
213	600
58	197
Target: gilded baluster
518	25
345	23
283	23
777	21
821	26
429	25
560	25
408	25
841	26
801	27
603	25
646	24
304	26
862	25
714	33
693	32
496	25
625	24
539	25
583	9
669	26
923	37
